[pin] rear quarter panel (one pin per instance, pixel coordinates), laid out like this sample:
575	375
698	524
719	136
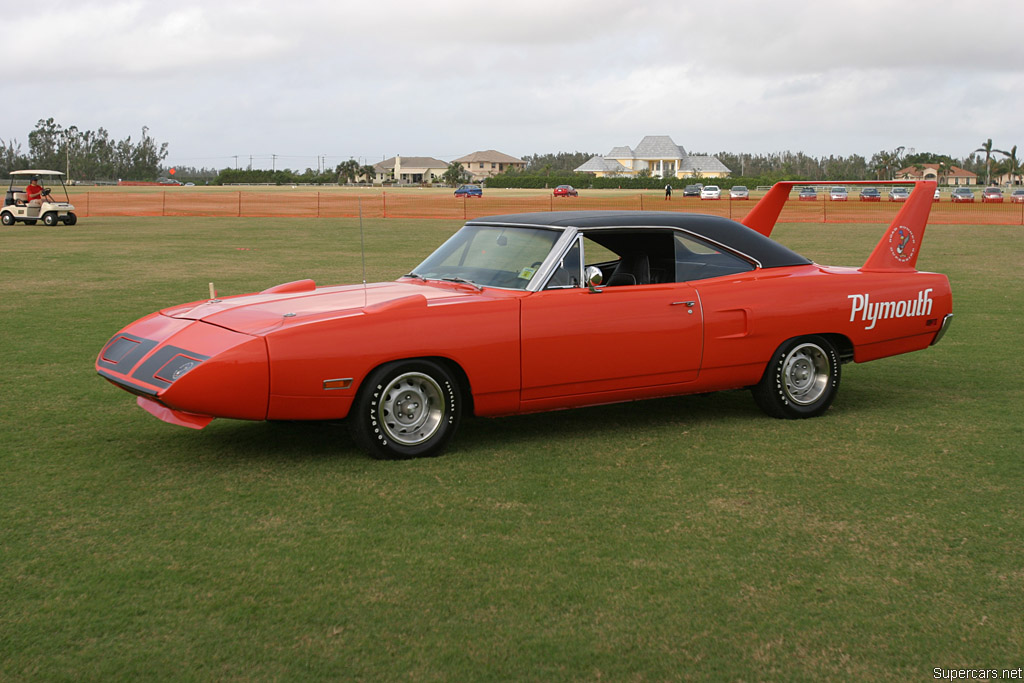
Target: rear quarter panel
748	316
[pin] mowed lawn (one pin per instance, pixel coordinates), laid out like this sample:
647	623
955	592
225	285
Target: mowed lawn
681	539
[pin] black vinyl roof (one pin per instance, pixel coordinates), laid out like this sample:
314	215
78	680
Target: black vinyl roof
769	253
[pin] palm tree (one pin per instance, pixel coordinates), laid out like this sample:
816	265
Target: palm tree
885	163
1011	162
454	174
347	171
945	168
986	147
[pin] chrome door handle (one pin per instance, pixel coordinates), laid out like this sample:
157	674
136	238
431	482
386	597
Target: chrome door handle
683	303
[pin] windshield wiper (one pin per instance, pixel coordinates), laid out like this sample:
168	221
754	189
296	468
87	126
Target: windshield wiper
415	275
463	281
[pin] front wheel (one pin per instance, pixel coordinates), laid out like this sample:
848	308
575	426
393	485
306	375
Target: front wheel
70	219
801	379
406	409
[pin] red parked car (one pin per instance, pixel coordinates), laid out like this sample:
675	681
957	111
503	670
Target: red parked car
543	311
566	191
992	195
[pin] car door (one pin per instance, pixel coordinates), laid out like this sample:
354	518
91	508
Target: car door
612	340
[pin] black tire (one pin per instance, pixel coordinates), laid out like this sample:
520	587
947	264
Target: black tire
7	218
406	409
32	222
49	218
801	379
70	219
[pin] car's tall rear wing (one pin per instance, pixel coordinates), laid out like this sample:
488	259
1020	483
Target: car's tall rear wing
898	248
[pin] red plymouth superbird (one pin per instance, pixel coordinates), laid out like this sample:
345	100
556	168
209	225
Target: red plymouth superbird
543	311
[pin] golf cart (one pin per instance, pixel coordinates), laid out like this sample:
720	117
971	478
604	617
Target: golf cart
51	211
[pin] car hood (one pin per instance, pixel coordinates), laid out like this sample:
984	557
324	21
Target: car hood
268	311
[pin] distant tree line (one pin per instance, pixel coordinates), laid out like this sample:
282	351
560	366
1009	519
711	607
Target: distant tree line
94	155
350	171
549	170
85	154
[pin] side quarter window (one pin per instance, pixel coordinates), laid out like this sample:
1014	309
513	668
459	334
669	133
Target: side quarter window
697	260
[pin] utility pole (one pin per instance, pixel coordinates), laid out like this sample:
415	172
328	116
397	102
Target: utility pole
236	162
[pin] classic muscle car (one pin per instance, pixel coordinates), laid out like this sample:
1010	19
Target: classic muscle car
543	311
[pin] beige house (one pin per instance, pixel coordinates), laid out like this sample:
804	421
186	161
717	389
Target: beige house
483	165
1005	179
955	175
659	155
409	170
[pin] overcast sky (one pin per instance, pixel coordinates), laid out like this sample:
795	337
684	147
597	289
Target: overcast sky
372	79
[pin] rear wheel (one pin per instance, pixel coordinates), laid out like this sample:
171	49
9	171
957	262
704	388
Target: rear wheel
49	218
801	380
7	218
406	409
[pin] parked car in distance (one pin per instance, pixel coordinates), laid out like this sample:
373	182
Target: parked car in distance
711	192
566	191
961	195
692	190
469	191
992	195
808	194
739	192
870	194
1017	197
838	194
899	194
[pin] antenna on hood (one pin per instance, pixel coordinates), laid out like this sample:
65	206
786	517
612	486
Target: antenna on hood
362	248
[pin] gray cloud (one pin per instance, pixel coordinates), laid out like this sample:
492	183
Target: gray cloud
370	80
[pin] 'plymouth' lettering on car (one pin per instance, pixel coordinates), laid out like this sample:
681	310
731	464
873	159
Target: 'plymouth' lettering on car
883	310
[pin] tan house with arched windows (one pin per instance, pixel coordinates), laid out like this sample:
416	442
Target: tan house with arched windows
954	176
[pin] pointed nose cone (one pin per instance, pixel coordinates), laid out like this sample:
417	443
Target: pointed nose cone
191	367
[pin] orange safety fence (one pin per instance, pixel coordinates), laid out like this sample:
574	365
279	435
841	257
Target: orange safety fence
313	204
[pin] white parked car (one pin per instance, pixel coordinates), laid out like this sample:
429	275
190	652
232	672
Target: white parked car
711	192
838	194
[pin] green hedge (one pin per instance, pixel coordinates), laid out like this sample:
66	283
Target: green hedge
281	177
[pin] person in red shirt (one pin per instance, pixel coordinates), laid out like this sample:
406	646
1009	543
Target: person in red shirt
34	192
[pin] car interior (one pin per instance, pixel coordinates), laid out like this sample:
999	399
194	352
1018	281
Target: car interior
646	257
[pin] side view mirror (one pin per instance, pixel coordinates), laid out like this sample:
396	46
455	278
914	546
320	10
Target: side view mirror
594	277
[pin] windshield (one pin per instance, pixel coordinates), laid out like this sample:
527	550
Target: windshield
490	256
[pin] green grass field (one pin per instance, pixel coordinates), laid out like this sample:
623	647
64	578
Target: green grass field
679	539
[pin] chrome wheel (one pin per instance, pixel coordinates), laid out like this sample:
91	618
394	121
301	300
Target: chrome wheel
805	374
411	408
801	380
